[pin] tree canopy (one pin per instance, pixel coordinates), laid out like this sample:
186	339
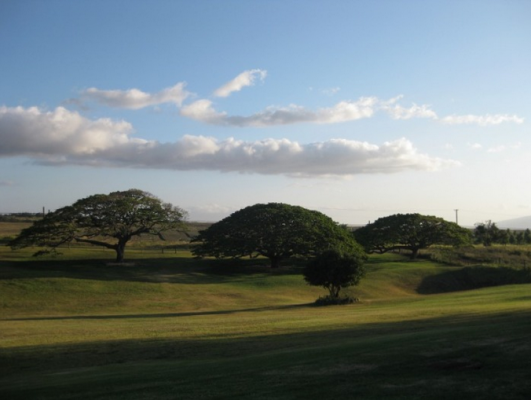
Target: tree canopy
335	270
108	220
487	233
411	232
274	230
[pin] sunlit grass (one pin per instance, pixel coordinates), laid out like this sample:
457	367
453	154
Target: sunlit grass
167	326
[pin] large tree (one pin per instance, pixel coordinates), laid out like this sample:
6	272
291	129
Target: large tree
276	231
108	220
411	232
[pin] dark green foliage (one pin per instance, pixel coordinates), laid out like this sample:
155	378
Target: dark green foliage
275	230
473	278
411	232
500	256
335	270
487	233
103	220
335	301
527	236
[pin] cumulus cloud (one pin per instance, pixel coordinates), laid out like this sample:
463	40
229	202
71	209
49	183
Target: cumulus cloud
482	120
246	78
203	110
31	131
62	137
135	99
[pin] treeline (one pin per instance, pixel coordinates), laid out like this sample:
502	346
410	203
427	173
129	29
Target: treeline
487	233
20	217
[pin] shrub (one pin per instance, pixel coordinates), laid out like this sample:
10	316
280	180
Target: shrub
333	301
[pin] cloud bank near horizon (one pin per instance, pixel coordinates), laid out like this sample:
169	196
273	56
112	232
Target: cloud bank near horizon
63	137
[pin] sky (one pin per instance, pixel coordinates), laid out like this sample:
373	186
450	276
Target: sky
358	109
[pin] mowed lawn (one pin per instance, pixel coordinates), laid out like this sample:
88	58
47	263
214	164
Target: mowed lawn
166	326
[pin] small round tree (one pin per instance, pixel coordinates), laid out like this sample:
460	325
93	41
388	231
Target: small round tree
335	270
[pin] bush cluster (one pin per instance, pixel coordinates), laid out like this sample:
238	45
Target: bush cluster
334	301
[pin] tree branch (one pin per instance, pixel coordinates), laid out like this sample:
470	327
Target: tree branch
96	243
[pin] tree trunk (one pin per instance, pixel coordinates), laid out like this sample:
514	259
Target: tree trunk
414	253
120	251
334	291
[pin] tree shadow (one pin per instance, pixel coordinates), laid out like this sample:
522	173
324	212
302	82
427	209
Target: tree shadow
400	337
153	270
164	315
469	278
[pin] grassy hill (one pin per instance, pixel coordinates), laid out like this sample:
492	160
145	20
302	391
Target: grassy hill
166	326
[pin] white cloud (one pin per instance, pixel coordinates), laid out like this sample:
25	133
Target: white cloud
31	131
202	110
500	148
482	120
246	78
415	111
135	99
396	111
475	146
62	137
331	91
336	157
496	149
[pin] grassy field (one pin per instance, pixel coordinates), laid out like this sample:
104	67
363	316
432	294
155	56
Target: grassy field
166	326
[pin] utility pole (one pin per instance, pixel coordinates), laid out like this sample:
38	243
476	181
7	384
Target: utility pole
456	216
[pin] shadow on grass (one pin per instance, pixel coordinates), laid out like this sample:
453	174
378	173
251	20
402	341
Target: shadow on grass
473	278
405	359
165	315
154	270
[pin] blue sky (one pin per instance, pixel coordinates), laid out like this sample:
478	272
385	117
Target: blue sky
358	109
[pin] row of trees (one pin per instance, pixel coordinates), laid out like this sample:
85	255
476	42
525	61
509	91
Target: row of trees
487	233
275	231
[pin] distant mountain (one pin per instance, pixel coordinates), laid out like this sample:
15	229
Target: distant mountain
517	223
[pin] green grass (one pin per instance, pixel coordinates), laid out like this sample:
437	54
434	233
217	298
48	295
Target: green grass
167	326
